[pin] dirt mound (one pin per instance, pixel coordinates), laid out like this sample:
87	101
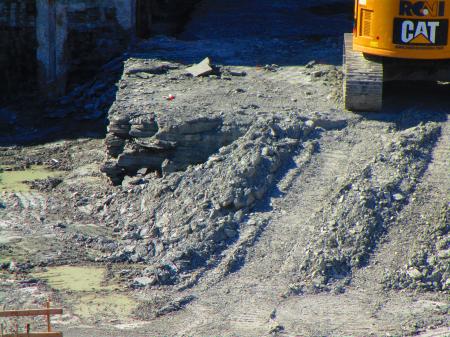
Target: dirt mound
366	206
246	201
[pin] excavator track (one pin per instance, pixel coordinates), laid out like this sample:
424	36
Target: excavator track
363	79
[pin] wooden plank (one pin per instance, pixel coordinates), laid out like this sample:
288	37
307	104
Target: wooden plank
36	334
31	312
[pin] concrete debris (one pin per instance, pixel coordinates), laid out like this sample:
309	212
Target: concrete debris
201	69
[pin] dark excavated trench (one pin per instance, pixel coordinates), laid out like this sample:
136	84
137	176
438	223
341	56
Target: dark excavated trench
93	36
91	77
333	8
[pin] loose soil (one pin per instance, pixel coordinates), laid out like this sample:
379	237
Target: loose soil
250	204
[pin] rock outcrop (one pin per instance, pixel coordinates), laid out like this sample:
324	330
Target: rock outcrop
165	120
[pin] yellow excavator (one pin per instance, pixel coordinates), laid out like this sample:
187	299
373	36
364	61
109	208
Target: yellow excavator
394	40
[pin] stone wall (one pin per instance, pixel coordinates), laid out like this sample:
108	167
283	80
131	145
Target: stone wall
17	47
55	44
79	37
98	30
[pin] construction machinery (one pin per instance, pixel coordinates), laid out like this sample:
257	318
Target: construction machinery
394	40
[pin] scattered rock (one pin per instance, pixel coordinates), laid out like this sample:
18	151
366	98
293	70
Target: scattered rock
142	282
201	69
398	197
415	274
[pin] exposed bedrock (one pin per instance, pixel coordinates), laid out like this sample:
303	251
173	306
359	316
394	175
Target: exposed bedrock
165	120
180	223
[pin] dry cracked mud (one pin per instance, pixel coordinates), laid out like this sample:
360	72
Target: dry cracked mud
243	203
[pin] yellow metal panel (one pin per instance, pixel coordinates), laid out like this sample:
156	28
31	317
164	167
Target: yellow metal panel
403	28
366	22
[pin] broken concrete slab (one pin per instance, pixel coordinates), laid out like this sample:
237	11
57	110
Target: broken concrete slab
201	69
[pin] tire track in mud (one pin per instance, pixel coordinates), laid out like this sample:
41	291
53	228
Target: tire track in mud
248	296
366	205
330	162
271	264
27	207
415	223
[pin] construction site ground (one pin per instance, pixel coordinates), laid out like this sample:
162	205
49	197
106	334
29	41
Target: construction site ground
306	220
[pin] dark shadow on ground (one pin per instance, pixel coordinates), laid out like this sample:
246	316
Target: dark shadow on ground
234	32
82	113
407	104
258	32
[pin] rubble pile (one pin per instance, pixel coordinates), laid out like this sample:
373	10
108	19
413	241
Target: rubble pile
428	267
189	217
365	207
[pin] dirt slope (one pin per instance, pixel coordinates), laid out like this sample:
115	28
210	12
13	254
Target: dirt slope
308	221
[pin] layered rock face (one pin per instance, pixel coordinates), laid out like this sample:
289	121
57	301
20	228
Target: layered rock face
165	120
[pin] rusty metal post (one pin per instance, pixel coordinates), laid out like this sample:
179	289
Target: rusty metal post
49	327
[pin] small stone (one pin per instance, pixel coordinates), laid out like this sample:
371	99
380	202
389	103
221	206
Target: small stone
414	273
309	123
237	73
317	74
444	254
13	267
252	222
398	197
230	233
142	172
446	284
275	327
310	64
238	216
201	69
142	282
266	152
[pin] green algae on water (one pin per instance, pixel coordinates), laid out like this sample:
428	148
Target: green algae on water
115	306
14	180
88	293
79	279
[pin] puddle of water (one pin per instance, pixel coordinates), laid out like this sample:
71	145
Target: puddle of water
14	181
97	299
77	279
115	306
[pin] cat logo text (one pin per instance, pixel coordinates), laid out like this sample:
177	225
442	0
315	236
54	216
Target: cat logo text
420	32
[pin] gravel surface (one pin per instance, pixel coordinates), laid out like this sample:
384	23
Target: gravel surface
245	202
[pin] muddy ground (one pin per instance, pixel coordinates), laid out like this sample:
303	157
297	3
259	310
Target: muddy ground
248	204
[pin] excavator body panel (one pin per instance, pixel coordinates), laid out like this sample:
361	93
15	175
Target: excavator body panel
394	40
406	29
